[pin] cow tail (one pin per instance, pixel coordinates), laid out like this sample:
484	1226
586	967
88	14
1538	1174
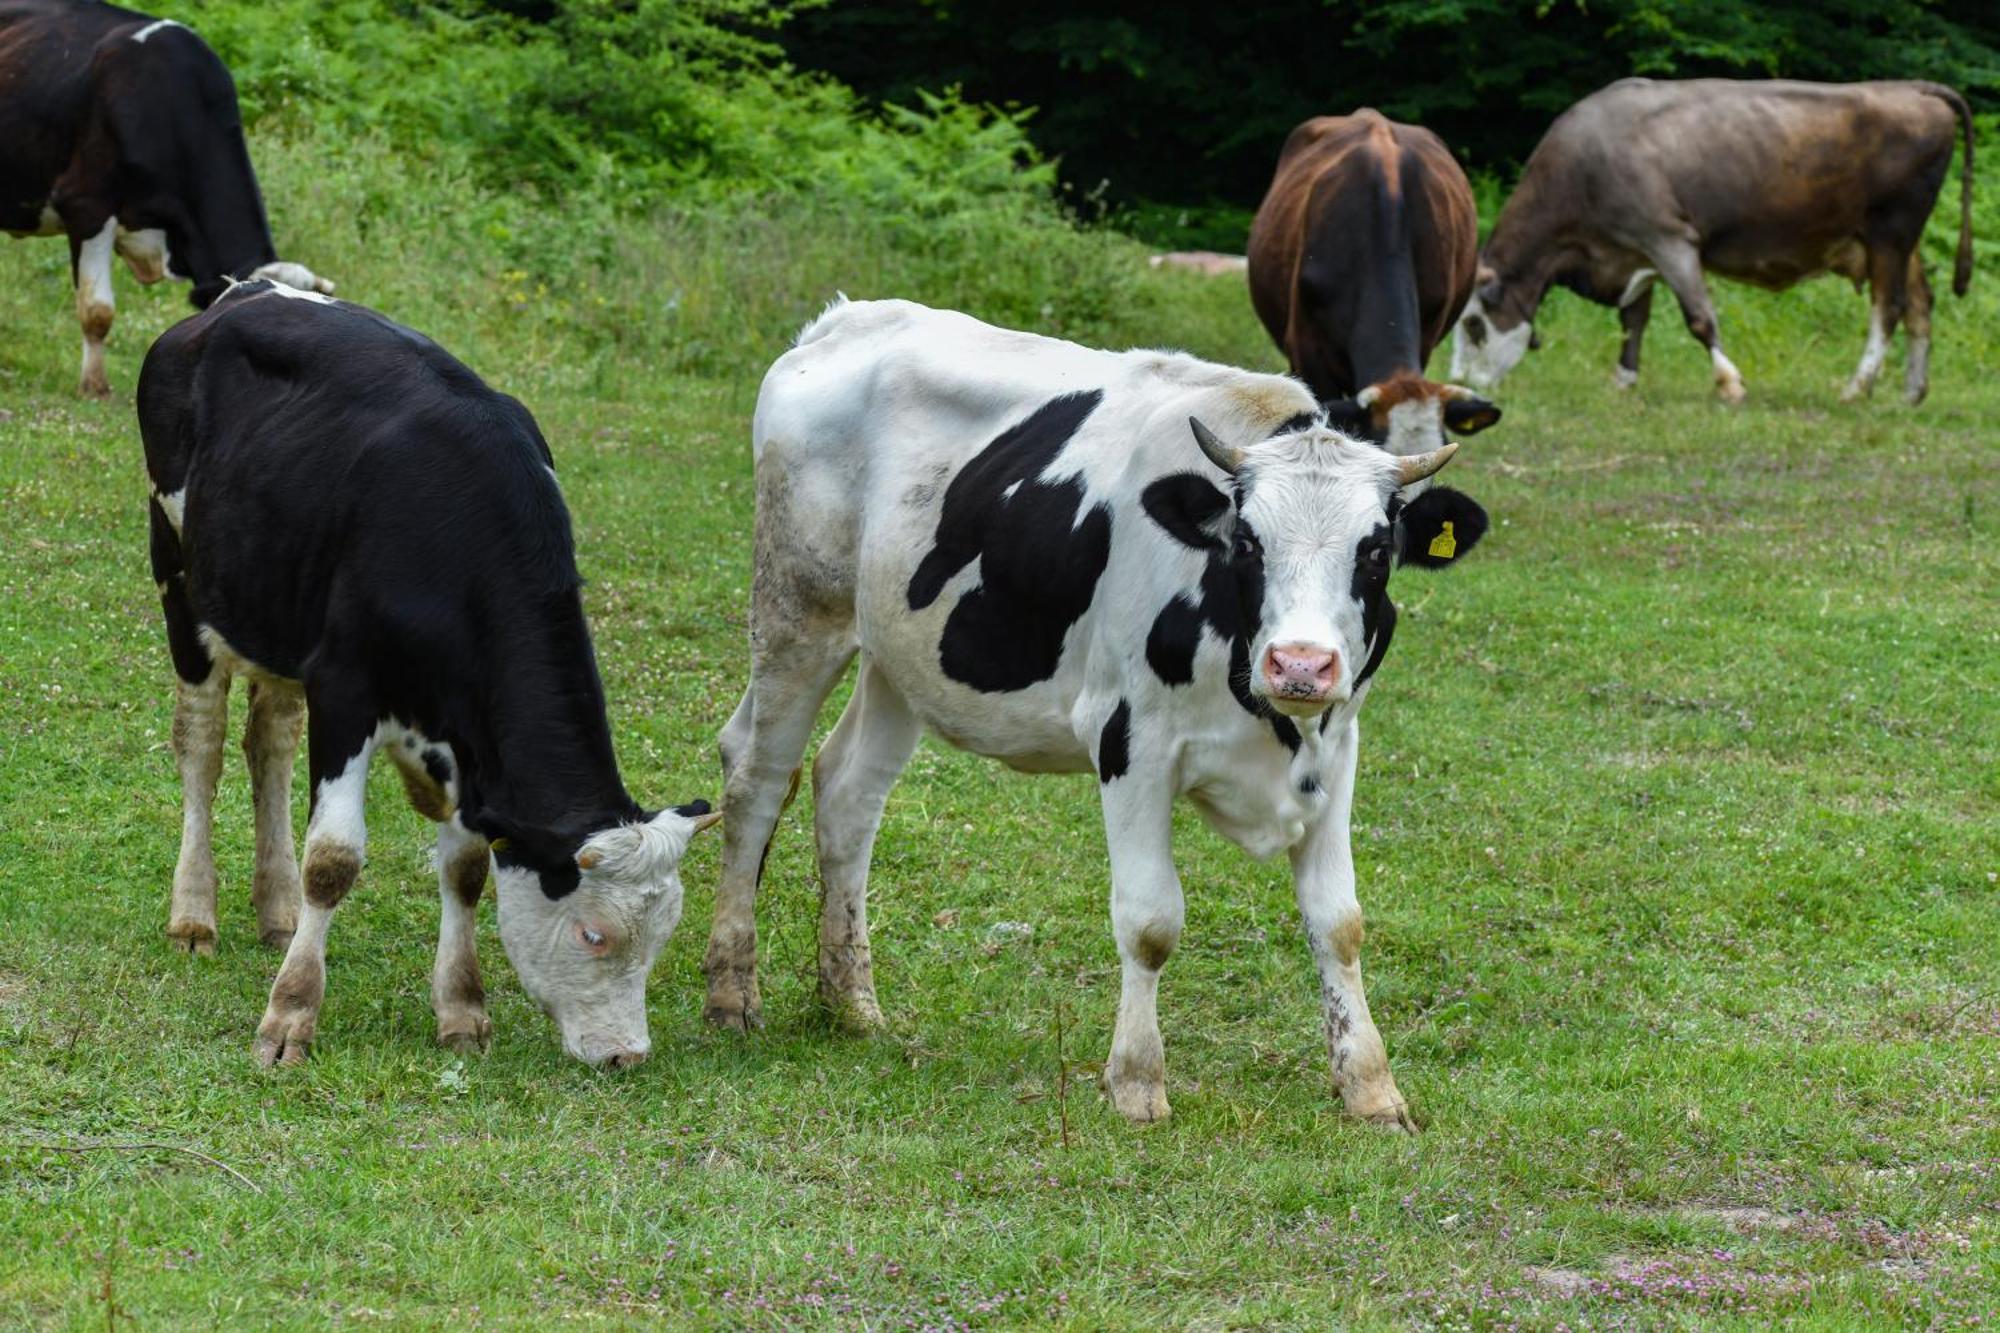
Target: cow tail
1961	277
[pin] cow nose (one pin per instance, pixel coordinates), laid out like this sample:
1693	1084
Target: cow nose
624	1058
1302	671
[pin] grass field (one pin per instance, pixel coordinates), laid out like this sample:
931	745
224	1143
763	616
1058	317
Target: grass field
1678	831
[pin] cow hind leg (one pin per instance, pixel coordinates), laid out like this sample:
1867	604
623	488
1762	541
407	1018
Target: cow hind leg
270	745
96	307
340	742
1633	314
201	719
852	775
1680	269
790	677
457	996
1917	325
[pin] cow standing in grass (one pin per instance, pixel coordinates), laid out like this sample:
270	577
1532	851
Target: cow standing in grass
346	516
1768	183
1164	571
121	132
1361	256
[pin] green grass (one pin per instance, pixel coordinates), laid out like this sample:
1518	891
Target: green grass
1678	831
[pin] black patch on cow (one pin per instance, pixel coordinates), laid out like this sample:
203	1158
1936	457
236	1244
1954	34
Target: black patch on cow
1421	522
437	766
1350	418
1308	785
1296	423
1040	554
693	809
1374	555
1230	600
551	855
1114	746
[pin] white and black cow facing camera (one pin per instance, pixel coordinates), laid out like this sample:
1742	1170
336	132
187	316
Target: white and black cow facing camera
1170	573
346	516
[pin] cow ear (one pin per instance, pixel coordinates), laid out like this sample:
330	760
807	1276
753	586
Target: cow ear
1192	510
1468	414
1439	527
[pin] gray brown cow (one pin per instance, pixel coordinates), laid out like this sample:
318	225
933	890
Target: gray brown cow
1764	182
1361	256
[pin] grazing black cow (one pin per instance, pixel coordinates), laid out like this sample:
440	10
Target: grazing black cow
1361	256
120	131
345	515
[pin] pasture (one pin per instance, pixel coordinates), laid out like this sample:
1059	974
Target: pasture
1678	831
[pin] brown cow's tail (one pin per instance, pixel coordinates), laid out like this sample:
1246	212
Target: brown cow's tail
1961	276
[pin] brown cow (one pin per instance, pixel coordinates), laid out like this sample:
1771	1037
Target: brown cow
1765	182
1361	256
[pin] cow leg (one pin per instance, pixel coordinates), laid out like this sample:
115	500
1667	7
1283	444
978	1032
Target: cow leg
1633	313
270	744
1147	912
1323	874
201	720
1680	268
91	260
1917	325
339	745
852	776
1888	269
790	677
457	997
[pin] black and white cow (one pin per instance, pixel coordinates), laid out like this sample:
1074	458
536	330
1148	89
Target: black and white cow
1168	572
121	131
349	518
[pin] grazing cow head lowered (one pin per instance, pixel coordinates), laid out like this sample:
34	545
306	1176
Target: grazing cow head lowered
1409	415
583	927
1495	330
1322	588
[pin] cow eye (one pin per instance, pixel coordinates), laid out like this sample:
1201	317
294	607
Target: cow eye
590	938
1378	557
1246	546
1475	329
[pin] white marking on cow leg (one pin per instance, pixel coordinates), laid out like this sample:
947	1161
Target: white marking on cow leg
1636	286
95	307
336	841
852	776
1147	913
1917	327
201	719
155	26
145	252
270	745
1873	354
457	997
1917	370
1728	379
173	506
1323	874
789	679
1624	377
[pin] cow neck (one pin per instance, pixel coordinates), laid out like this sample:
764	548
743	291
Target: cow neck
539	748
1530	245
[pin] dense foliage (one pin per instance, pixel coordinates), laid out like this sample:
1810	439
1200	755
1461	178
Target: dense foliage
1184	102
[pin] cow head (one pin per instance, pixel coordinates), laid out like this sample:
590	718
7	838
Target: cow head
1311	538
1408	415
583	921
1495	330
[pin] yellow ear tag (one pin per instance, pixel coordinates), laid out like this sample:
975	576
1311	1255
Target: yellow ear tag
1444	546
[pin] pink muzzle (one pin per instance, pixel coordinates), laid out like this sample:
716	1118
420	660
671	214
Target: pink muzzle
1301	672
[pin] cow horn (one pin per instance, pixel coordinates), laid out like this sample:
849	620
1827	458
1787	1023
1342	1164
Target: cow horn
1419	466
1369	396
1225	456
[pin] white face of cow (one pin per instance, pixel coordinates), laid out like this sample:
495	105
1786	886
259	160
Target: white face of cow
296	276
1482	351
1313	544
585	957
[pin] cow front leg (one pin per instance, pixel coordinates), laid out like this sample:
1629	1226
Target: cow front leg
336	843
852	775
1147	912
1917	327
1323	875
457	997
201	718
1680	268
95	306
270	745
1633	313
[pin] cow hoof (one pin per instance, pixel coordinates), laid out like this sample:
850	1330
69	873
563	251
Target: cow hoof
193	937
1915	397
100	390
1854	393
1731	392
274	938
733	1018
1395	1119
1140	1102
278	1048
856	1015
467	1034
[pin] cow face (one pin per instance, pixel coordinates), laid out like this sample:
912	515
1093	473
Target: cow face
1312	537
583	932
1492	335
1409	415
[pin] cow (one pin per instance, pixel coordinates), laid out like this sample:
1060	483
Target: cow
1361	256
1166	572
120	131
1765	182
347	517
